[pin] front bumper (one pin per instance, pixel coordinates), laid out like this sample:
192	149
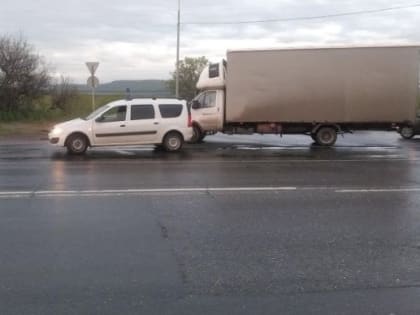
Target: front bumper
54	140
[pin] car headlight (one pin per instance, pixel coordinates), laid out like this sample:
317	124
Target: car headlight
56	131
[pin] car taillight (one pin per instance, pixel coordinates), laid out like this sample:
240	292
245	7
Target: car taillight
189	120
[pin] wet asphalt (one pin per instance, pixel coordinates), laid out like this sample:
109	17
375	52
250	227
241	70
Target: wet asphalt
235	225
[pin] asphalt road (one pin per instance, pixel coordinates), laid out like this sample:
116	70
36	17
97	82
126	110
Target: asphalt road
236	225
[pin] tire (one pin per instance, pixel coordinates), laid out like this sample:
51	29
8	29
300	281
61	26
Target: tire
198	135
407	132
326	136
76	144
173	141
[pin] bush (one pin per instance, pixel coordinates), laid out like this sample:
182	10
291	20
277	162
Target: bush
24	76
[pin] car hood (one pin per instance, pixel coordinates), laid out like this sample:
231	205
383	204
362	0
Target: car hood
71	123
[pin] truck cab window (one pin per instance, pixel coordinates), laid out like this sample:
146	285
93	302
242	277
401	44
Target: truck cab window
214	70
200	99
209	99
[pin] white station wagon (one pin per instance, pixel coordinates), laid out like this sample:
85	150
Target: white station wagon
165	122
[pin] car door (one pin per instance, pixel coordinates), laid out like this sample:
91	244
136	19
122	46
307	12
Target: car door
110	127
209	111
142	126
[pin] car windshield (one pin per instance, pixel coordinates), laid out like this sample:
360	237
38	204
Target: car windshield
96	112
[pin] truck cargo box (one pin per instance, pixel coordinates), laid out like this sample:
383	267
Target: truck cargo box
341	85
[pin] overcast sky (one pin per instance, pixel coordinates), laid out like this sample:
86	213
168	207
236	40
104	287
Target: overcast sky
136	39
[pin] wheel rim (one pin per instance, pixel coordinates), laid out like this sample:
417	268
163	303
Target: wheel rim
326	136
173	143
78	144
407	132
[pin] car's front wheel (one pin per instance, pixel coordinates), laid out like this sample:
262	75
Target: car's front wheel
77	144
173	141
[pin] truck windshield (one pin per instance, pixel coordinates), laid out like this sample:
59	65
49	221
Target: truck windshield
96	112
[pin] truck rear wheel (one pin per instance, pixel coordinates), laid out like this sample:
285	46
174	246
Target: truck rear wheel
407	132
326	136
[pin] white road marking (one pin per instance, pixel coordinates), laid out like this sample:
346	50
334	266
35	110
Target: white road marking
202	190
16	192
378	190
125	192
18	164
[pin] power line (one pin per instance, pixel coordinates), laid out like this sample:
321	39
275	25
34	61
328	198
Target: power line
305	18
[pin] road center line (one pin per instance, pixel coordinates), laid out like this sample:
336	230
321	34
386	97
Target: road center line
124	192
377	190
128	192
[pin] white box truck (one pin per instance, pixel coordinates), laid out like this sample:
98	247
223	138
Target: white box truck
320	92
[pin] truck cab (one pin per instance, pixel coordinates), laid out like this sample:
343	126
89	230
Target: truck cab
208	107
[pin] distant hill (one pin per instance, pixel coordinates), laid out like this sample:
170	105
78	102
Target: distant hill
138	88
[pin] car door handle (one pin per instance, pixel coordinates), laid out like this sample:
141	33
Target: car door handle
122	125
156	123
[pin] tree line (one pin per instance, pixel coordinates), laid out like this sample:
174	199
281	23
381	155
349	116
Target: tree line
25	80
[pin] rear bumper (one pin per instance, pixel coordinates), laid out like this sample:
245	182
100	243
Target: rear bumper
187	133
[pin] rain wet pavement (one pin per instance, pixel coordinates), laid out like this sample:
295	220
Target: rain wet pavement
236	225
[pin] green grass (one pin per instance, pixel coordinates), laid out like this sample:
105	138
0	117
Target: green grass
82	105
38	120
79	106
26	129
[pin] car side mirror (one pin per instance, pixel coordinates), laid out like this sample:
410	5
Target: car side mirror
195	104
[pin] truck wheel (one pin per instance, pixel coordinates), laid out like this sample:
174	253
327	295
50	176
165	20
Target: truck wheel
76	144
198	135
407	132
326	136
172	142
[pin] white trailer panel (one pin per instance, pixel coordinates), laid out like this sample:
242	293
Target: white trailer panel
340	85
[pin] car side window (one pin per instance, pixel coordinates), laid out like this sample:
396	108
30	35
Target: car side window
117	113
210	99
170	110
139	112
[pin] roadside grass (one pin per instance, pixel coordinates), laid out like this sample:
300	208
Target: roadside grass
37	122
82	105
28	129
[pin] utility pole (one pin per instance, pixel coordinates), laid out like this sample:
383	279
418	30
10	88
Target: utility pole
177	50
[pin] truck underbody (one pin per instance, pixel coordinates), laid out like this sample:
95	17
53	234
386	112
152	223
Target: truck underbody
323	133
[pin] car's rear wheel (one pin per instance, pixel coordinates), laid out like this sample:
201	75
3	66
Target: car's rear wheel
173	141
77	144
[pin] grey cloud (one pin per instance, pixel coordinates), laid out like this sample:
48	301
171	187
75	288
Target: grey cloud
136	38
